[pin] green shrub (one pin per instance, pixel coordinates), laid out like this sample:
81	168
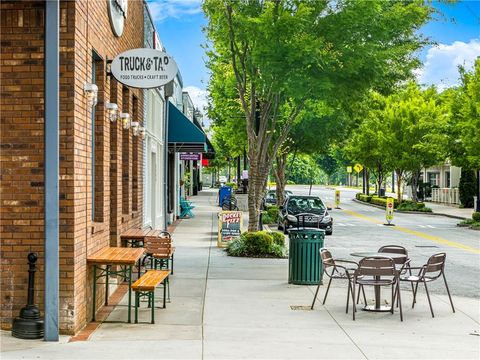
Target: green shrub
233	185
476	216
278	238
382	201
365	198
236	247
257	244
270	216
409	205
467	187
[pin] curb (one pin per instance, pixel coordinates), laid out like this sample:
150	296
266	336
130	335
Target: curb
411	212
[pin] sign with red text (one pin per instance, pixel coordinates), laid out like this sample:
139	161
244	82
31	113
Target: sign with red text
389	209
229	226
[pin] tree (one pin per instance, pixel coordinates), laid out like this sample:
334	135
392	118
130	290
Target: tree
414	134
367	144
283	52
463	129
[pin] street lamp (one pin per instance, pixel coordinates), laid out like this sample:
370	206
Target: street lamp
135	127
91	91
112	111
125	117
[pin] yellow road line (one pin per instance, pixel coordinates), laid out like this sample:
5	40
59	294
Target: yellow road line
423	235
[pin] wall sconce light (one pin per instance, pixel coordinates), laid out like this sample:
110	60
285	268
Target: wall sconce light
112	111
142	132
135	127
91	92
125	117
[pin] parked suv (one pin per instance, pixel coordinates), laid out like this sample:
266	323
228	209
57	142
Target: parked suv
307	211
270	197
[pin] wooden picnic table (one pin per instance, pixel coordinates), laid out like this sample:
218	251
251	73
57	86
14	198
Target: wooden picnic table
136	237
126	258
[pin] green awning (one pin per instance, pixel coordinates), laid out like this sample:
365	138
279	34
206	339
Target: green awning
210	153
184	135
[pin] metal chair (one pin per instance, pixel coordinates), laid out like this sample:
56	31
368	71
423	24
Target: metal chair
431	271
403	263
370	272
333	270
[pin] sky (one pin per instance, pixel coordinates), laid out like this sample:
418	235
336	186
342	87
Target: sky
456	32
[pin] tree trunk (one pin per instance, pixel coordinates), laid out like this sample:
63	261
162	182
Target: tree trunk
253	210
399	184
414	184
279	172
367	182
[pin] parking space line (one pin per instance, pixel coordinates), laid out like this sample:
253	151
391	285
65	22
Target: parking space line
436	239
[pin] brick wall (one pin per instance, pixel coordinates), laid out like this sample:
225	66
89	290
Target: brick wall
85	28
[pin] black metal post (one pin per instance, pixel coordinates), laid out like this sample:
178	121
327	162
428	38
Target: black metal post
29	325
477	207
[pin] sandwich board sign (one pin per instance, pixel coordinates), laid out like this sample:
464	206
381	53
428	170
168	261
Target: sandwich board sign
229	226
389	210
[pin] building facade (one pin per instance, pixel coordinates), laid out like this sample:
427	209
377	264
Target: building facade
101	161
155	213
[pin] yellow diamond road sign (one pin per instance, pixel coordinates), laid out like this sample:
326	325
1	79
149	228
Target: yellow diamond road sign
358	168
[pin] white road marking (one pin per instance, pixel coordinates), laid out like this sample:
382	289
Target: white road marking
341	224
431	226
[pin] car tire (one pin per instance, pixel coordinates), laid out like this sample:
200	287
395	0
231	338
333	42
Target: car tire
329	232
279	227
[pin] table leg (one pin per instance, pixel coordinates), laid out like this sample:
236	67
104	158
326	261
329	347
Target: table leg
378	307
129	275
94	290
377	295
106	284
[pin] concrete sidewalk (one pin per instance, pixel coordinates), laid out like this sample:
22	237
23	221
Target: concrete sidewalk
241	308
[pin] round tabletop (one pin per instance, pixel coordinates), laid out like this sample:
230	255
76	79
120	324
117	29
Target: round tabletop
377	254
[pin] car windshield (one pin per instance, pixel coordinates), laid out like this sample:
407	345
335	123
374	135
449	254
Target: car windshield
271	195
305	205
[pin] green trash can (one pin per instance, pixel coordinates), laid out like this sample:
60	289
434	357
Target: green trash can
304	265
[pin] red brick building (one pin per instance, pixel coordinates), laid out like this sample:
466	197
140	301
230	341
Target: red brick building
101	164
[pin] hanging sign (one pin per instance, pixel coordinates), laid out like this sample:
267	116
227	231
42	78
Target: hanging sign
358	168
144	68
229	226
337	198
190	157
389	209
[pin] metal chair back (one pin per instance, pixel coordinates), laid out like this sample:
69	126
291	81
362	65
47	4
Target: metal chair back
435	265
376	266
395	249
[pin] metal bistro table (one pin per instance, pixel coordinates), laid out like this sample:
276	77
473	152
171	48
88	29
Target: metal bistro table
123	257
378	307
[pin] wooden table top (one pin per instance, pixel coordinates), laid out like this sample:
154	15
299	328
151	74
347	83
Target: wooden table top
116	256
140	233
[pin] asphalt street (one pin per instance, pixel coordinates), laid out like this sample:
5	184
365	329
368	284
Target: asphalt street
359	227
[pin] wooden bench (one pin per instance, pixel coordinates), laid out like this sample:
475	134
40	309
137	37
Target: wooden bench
145	287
